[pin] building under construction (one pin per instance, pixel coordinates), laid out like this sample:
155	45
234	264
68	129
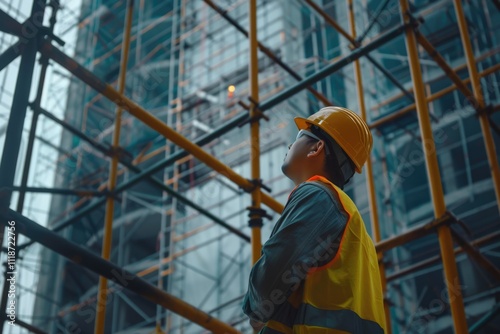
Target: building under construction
140	137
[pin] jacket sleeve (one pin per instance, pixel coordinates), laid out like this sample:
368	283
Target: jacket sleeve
308	237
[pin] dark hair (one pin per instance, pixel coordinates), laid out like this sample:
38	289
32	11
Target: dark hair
336	173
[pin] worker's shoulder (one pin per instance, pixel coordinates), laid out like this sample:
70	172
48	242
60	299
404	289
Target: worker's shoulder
322	198
319	189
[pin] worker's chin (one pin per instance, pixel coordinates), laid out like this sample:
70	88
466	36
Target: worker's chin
285	168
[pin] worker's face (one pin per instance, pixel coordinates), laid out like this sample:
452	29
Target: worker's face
296	159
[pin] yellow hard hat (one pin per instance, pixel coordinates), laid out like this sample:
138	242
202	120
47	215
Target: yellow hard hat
347	128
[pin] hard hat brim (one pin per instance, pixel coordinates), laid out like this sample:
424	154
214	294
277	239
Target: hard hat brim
302	123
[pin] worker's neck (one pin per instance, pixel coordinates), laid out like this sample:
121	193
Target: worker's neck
307	175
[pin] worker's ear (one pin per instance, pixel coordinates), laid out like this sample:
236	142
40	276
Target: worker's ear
316	149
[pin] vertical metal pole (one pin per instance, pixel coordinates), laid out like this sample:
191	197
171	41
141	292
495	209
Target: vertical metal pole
452	279
478	95
44	61
370	183
253	76
14	132
102	293
19	104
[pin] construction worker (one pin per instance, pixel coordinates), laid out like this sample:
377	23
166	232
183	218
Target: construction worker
318	272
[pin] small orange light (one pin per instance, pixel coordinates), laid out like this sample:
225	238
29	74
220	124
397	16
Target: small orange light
231	88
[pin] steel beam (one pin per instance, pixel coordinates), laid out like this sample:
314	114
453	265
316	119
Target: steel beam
95	263
10	25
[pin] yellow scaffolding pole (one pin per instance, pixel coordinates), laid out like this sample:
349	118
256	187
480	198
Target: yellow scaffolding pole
446	244
102	294
370	183
478	95
253	76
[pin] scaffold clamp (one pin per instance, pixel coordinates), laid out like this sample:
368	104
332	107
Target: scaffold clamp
415	21
258	183
256	214
460	223
120	152
45	31
487	109
257	116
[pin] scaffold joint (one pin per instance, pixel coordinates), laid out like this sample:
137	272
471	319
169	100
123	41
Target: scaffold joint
488	110
258	114
446	219
46	31
460	223
414	22
121	153
256	214
111	194
257	183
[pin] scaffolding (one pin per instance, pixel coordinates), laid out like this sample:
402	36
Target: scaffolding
173	109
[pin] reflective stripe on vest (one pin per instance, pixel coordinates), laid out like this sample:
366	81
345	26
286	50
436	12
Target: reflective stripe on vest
345	295
345	320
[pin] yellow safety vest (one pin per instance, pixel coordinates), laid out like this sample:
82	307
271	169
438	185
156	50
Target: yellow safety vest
343	296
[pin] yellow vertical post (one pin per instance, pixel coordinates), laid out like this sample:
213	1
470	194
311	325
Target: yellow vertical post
478	95
437	196
102	293
372	200
253	76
